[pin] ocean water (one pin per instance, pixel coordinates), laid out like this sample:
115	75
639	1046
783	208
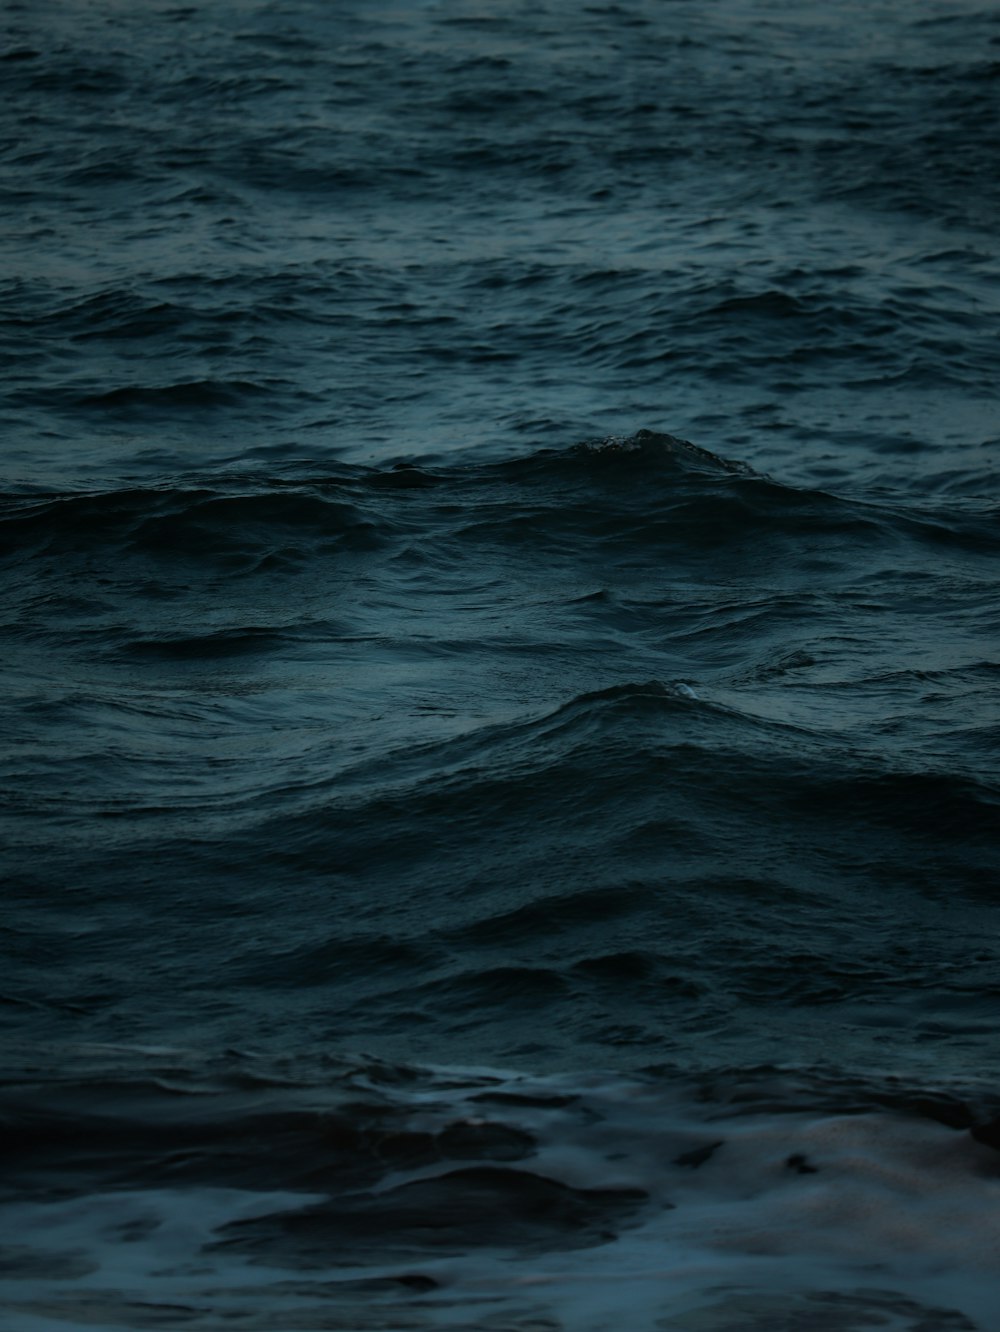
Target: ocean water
498	794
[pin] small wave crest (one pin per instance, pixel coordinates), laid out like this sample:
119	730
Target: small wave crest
656	447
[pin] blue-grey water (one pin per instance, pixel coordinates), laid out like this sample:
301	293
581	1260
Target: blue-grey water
498	795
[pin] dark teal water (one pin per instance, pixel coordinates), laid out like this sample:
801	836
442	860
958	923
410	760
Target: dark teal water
427	779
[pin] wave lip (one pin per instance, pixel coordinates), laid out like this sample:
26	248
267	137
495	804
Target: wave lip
652	445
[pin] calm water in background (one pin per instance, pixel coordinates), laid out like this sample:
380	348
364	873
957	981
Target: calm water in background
461	841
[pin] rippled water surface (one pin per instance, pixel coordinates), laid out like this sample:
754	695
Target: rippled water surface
473	857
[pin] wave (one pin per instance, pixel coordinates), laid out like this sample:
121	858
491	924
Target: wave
732	1198
347	709
652	871
196	393
181	523
645	494
623	747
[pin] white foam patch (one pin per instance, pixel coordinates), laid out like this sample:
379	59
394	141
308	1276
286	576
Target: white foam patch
803	1222
789	1206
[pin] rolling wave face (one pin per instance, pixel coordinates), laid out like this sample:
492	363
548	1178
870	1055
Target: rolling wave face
625	732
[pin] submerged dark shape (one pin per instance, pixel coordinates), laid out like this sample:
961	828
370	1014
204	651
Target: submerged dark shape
988	1134
699	1155
480	1205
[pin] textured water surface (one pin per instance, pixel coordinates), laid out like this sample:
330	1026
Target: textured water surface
498	536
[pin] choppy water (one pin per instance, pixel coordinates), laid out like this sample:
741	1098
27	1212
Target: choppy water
471	857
